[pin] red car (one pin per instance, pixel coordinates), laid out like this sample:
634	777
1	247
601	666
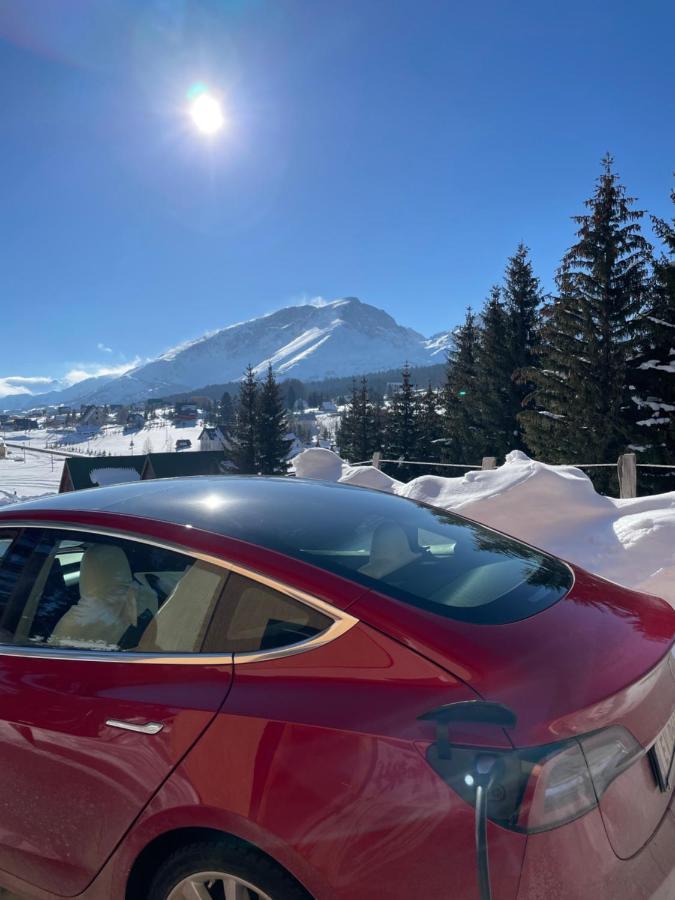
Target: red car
244	688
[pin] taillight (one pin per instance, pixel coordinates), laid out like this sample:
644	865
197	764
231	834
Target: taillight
535	789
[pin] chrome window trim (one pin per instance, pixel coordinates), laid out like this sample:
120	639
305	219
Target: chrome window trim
342	621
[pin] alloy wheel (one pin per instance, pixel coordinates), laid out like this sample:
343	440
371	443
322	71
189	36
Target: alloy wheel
216	886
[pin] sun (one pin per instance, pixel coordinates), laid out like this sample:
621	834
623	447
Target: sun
207	113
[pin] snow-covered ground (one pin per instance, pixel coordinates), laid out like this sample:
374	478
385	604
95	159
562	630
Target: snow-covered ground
556	508
27	476
40	474
157	436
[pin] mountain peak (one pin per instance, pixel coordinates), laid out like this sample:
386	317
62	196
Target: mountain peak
311	341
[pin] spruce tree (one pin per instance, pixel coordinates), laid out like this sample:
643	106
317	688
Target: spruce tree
245	434
360	431
401	428
493	379
428	427
272	445
461	431
225	413
653	368
522	298
346	432
580	405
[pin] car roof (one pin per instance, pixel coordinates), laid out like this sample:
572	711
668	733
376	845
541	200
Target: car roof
251	508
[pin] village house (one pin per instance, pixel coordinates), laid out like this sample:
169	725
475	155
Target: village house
212	438
94	416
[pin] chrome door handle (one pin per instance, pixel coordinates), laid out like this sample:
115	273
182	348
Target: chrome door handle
148	728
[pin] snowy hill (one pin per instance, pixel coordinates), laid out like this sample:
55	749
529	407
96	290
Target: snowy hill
310	342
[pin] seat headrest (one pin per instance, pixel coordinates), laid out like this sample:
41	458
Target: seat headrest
389	551
103	571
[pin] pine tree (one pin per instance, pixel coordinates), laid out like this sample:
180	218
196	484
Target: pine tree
580	405
272	428
245	433
428	427
653	368
522	298
359	434
346	431
493	379
462	436
225	413
401	428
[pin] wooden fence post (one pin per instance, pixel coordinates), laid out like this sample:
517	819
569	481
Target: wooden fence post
377	456
489	462
626	468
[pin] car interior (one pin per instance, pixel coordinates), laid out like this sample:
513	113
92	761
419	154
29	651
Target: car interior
93	593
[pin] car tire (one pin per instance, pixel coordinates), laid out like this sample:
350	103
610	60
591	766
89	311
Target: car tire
223	859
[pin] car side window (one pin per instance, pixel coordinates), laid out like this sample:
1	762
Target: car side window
254	617
19	555
104	593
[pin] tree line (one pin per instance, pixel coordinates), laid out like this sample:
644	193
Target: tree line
579	376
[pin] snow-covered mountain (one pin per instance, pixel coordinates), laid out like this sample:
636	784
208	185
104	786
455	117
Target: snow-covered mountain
309	342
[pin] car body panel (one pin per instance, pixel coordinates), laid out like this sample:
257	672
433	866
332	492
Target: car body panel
71	784
578	664
572	863
363	814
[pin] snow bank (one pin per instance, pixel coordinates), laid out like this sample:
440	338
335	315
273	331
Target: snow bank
556	508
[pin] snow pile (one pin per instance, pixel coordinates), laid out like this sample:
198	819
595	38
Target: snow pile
111	475
556	508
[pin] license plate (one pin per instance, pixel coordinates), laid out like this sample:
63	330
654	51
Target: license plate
663	755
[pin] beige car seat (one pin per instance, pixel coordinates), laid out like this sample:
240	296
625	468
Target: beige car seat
389	551
182	620
107	604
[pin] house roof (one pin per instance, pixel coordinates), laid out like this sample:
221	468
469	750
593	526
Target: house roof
195	462
211	431
80	469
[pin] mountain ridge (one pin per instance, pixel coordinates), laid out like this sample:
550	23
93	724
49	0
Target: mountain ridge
309	342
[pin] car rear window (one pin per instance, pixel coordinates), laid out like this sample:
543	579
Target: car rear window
414	553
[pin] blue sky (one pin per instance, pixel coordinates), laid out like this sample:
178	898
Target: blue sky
394	150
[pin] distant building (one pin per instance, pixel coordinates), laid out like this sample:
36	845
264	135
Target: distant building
94	416
20	423
212	438
186	412
57	419
328	406
80	472
202	402
135	420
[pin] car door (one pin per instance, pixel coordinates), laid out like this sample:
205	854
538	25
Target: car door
102	691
